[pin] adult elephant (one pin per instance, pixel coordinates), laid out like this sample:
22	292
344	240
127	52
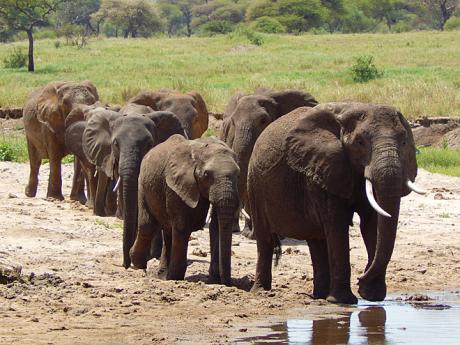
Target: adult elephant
189	107
178	181
116	144
44	117
311	170
246	117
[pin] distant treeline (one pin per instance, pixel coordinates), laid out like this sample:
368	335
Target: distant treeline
144	18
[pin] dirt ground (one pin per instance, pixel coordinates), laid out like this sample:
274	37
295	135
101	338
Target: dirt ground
74	289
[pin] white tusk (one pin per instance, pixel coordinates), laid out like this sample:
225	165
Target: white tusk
95	173
208	217
370	197
117	184
412	186
245	214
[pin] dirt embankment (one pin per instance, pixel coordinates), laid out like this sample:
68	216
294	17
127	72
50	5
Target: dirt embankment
74	289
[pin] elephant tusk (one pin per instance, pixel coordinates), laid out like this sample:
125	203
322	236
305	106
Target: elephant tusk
95	173
208	217
370	197
245	214
117	184
413	187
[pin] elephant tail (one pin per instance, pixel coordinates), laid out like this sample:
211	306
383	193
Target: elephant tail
276	248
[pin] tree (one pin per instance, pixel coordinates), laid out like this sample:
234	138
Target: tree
172	16
25	15
78	12
442	10
389	11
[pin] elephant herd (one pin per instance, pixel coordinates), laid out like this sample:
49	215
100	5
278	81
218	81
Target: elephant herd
294	167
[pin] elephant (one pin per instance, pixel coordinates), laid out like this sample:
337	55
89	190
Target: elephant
246	117
308	174
190	108
44	117
116	144
75	125
178	181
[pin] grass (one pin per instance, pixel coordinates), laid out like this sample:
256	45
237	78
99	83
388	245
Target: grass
13	147
421	69
440	160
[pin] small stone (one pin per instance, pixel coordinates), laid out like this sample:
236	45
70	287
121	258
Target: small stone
243	330
12	196
199	252
87	285
34	319
136	302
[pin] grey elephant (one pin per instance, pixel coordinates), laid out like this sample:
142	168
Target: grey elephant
44	117
179	179
247	116
116	144
189	107
311	170
75	125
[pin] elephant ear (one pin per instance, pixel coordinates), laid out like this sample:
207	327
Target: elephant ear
166	124
232	104
48	111
202	112
314	148
77	114
134	108
288	100
180	173
97	142
149	98
91	88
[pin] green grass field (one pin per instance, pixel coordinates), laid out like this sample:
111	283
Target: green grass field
421	69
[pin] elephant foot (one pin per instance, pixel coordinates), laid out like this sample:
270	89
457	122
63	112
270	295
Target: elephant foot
258	287
162	273
31	192
89	204
320	293
213	278
248	233
342	298
374	292
57	196
138	260
81	198
119	214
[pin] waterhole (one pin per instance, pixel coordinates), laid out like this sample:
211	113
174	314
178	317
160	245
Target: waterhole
390	322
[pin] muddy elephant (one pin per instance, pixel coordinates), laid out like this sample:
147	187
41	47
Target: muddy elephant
179	179
246	117
75	125
44	117
189	107
116	144
308	174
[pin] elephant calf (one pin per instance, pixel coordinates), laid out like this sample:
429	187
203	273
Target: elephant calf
178	180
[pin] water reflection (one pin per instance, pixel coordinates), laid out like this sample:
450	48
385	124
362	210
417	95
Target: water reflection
391	324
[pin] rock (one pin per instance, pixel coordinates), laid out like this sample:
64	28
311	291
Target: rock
429	136
199	252
9	271
450	140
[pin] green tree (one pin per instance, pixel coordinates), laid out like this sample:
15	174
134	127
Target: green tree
172	16
301	15
78	12
441	10
389	11
25	15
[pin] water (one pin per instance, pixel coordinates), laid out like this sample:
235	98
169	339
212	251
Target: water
391	322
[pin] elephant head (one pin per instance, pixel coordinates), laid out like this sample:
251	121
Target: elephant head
190	108
354	150
246	116
207	168
116	144
58	99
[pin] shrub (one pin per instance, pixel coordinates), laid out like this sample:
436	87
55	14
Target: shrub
74	35
57	44
16	59
246	32
364	69
216	27
268	25
6	153
452	24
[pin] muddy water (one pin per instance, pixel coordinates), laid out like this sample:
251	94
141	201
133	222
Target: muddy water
391	322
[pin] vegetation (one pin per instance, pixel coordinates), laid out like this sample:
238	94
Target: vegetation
16	59
365	70
421	69
13	147
440	160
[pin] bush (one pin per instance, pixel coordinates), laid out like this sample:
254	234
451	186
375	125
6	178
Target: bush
16	59
246	32
214	27
57	44
452	24
6	153
74	35
268	25
364	69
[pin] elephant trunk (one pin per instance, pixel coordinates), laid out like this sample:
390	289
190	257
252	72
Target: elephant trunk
387	179
129	177
243	145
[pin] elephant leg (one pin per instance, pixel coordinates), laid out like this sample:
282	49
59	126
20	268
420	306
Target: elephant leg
77	192
337	236
92	185
35	162
165	258
320	262
248	231
101	190
214	275
178	262
55	179
110	207
147	228
156	245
